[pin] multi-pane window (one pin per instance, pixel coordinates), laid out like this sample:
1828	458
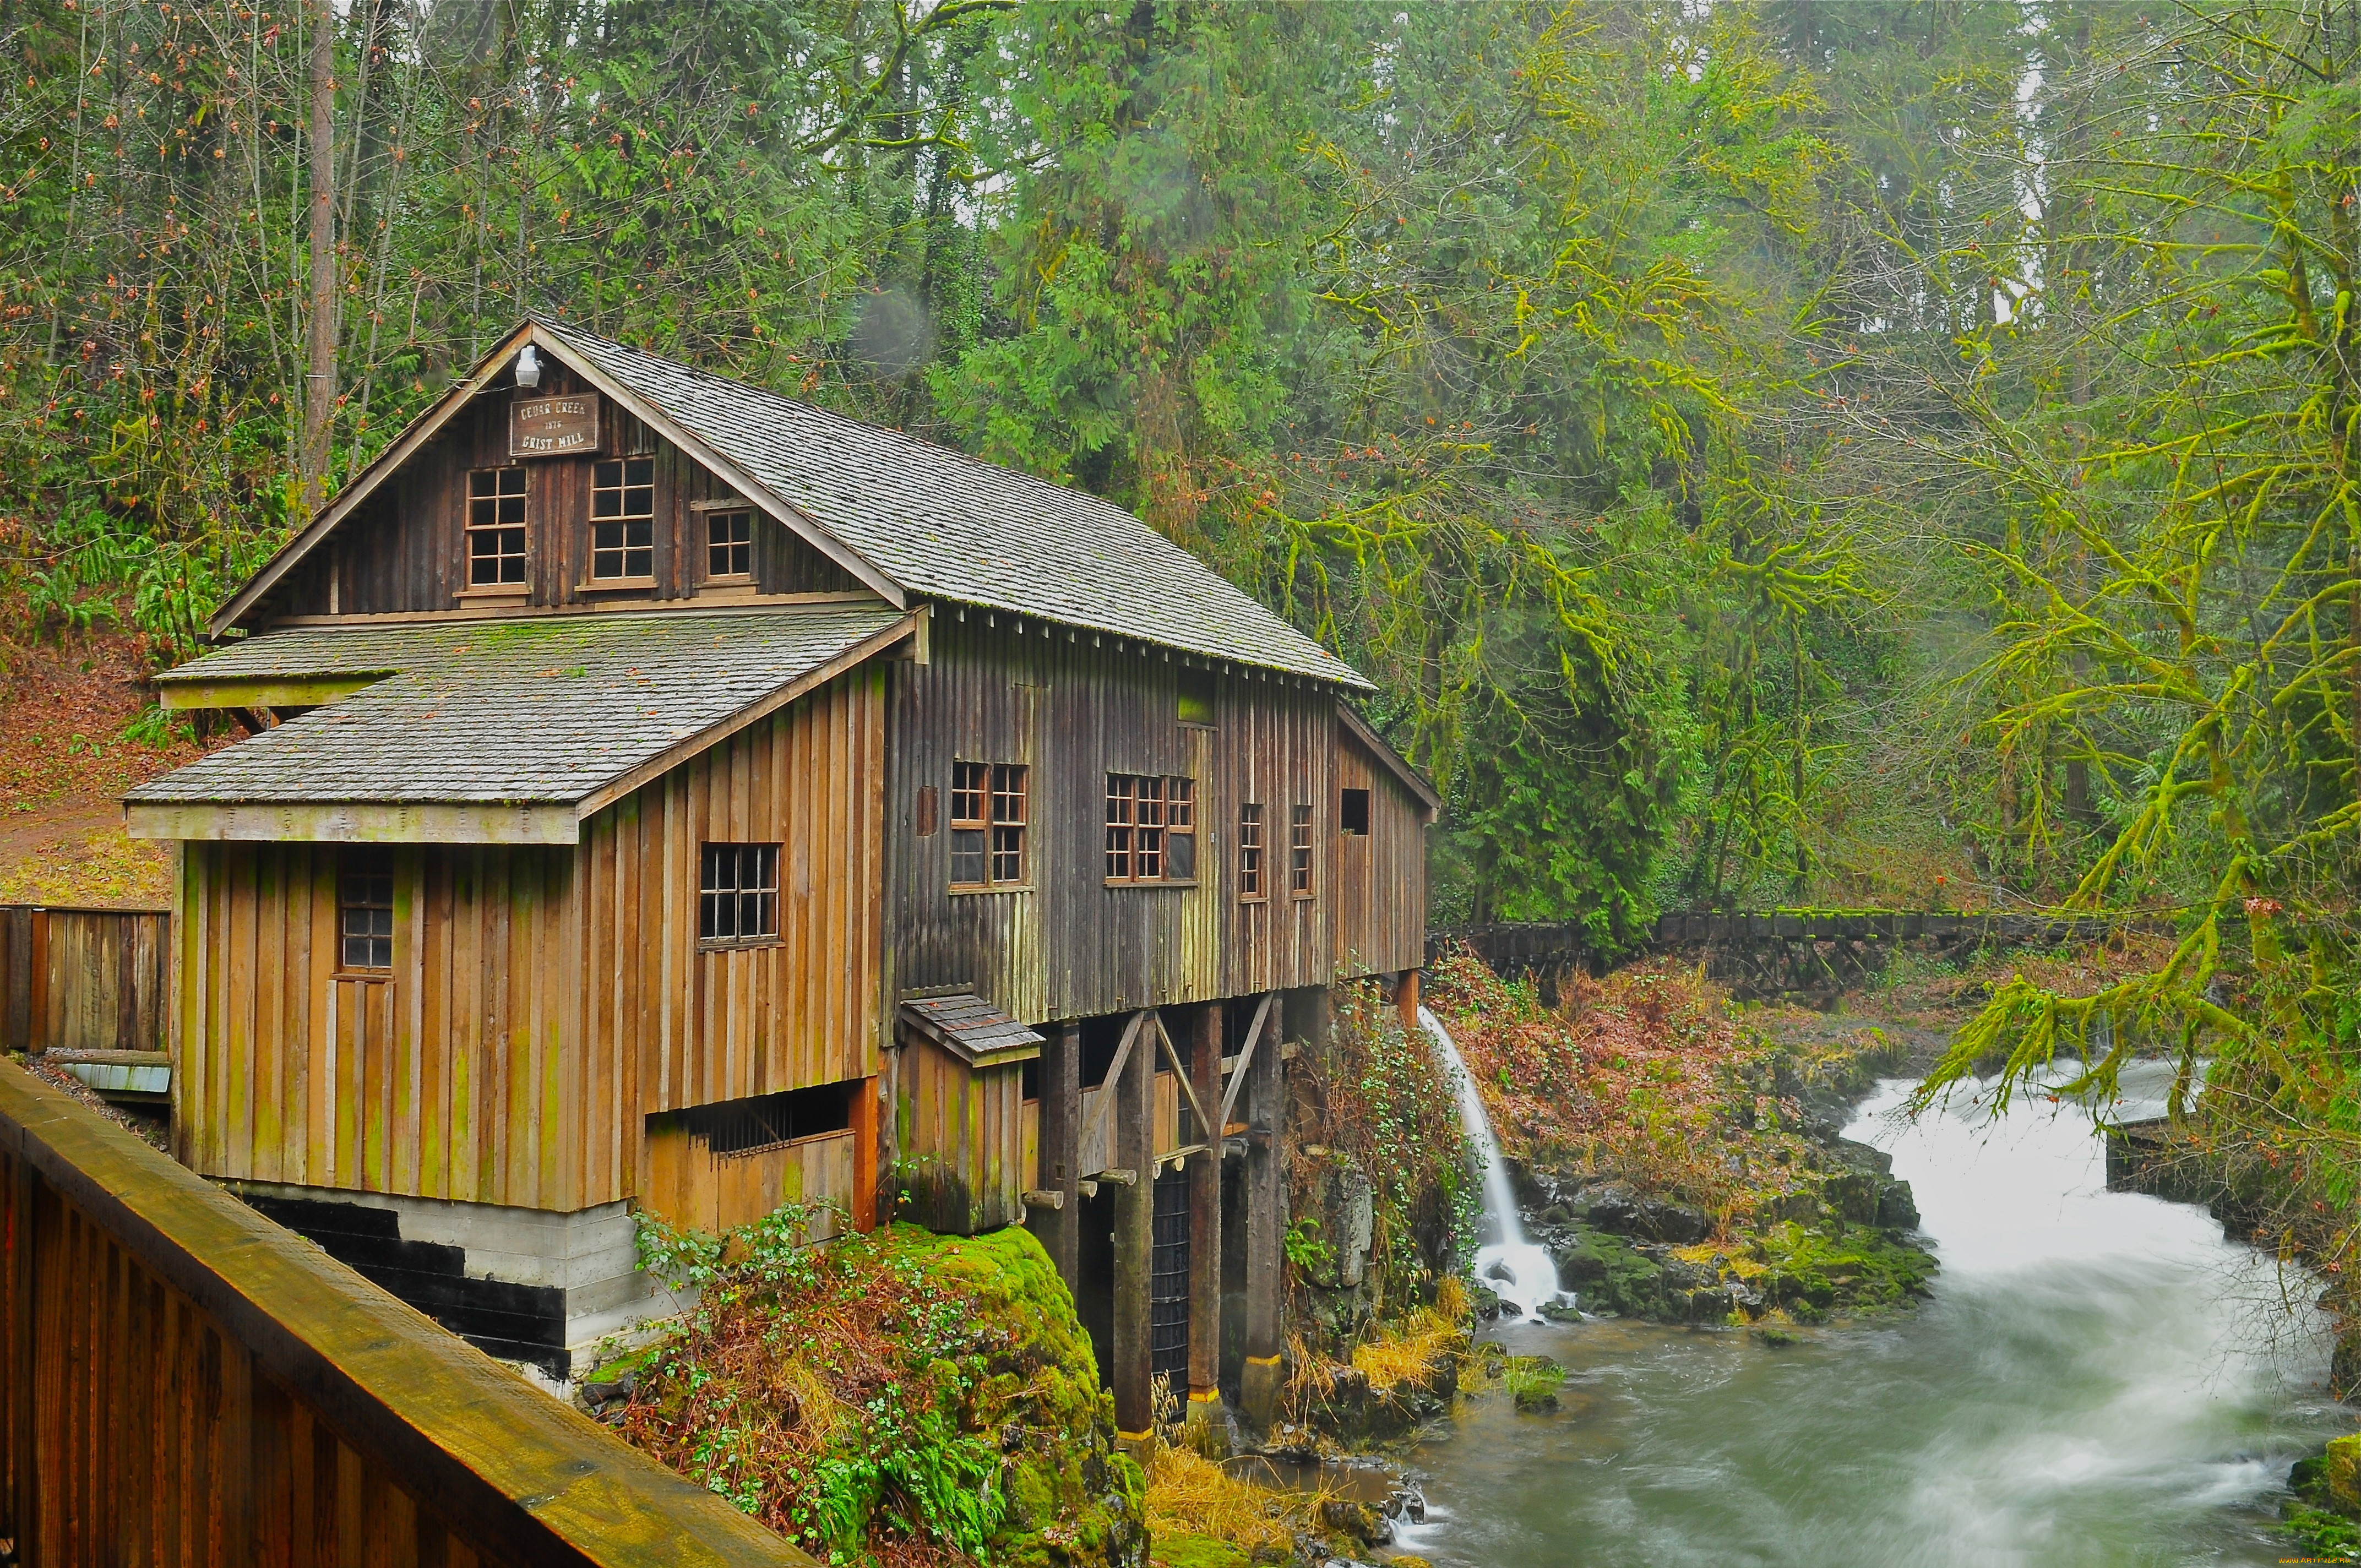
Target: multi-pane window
1250	851
728	545
988	813
1298	850
1152	828
495	527
737	893
365	910
622	518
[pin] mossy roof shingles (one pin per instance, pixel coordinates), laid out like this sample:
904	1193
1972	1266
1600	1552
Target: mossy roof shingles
544	710
948	526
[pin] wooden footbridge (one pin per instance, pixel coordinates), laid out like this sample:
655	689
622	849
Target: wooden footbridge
181	1380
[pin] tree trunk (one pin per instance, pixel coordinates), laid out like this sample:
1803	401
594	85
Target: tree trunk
320	380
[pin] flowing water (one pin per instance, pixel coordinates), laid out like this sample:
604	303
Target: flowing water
2099	1378
1519	1273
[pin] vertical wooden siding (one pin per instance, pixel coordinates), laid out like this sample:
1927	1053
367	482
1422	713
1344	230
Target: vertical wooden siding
183	1382
83	978
966	1124
1377	882
690	1185
405	548
544	999
452	1078
1075	707
672	1025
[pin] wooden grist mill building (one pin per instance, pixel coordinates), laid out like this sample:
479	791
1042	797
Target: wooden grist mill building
662	792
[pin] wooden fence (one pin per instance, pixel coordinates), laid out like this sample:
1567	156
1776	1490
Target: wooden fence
87	979
181	1380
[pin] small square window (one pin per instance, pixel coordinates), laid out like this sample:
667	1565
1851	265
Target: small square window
728	545
738	894
365	910
1353	813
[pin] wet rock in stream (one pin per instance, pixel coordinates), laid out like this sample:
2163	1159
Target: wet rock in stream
1838	1240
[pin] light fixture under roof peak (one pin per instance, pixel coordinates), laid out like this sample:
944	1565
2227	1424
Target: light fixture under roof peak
528	366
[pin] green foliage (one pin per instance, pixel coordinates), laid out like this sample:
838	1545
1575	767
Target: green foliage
881	1395
1533	1381
1389	1110
1305	1251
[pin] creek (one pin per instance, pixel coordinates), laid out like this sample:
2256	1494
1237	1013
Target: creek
2098	1378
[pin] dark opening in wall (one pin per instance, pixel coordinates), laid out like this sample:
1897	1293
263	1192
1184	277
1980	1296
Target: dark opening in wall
1353	816
768	1121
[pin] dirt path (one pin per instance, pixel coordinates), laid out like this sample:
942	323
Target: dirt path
64	764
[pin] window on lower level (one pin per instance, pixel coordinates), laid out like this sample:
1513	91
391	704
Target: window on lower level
738	894
622	518
1151	827
1298	850
365	910
495	527
770	1122
989	808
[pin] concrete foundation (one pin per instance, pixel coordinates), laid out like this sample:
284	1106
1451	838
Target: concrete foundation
539	1289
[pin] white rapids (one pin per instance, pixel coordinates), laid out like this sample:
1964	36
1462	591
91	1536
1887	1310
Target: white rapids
1522	1275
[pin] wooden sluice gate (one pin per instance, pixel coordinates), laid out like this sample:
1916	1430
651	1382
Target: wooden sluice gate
183	1380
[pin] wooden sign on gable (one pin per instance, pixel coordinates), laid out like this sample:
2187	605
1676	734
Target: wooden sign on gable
553	427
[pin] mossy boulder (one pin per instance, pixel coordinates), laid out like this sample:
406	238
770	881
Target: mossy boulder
1608	1272
1072	1496
900	1395
2325	1514
1815	1272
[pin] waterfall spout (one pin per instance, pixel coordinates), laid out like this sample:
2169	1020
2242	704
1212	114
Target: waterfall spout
1521	1274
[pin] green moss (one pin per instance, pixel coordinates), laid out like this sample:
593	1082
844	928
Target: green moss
1198	1551
1072	1497
1533	1381
894	1389
1610	1275
2329	1537
1814	1272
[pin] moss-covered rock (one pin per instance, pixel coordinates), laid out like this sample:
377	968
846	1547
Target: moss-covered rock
892	1392
1815	1272
1072	1496
2325	1513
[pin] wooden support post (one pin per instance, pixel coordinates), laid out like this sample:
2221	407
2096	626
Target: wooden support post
866	1098
1258	1385
1406	999
1060	1143
1135	1215
1205	1230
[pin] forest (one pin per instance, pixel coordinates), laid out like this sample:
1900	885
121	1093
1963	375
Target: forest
1895	452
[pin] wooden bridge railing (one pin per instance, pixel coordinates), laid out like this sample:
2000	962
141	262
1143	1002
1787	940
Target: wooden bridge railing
89	980
181	1380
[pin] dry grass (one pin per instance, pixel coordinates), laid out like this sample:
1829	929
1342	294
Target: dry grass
1407	1351
1190	1494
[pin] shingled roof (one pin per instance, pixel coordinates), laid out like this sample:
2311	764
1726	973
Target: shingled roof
547	710
942	523
912	519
